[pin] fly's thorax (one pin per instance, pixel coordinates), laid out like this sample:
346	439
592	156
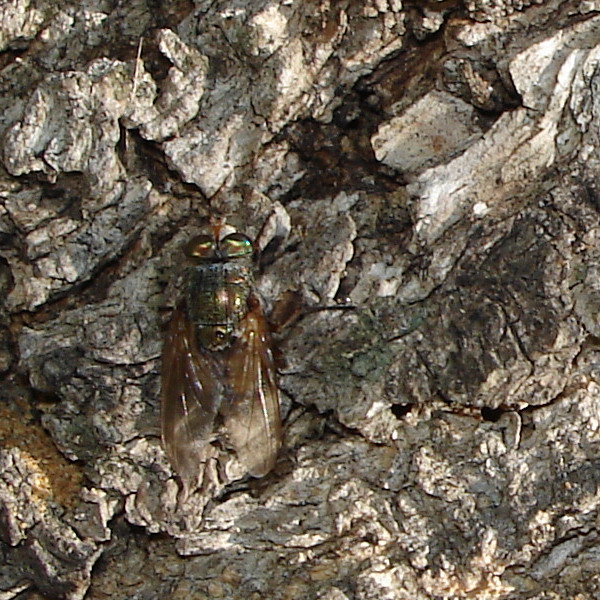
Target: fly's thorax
217	300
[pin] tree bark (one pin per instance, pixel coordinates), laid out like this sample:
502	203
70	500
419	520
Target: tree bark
433	165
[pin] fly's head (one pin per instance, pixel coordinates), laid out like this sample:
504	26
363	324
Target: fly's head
207	249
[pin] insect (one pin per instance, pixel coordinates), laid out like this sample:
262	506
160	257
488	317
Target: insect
217	362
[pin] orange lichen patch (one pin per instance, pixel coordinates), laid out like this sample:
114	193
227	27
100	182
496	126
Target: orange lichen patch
53	477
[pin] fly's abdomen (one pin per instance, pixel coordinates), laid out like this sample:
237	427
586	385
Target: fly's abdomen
217	300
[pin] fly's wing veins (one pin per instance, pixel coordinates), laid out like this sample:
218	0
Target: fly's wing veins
190	397
251	414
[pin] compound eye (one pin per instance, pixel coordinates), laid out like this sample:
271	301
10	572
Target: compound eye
201	247
235	245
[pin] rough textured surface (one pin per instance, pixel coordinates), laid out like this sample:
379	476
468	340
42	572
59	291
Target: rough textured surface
433	164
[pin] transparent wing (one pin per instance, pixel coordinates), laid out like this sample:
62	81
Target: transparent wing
190	397
251	414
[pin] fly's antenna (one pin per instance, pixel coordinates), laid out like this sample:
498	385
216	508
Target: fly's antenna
220	227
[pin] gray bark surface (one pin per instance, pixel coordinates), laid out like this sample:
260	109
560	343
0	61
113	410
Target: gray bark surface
436	165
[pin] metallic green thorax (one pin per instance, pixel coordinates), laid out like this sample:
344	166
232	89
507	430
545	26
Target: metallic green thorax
217	300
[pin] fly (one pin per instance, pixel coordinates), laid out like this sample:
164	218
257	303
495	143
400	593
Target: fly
217	362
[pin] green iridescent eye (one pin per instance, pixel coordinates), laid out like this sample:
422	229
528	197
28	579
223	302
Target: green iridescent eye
235	245
201	247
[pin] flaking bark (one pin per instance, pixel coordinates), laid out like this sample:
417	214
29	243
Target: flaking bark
433	164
